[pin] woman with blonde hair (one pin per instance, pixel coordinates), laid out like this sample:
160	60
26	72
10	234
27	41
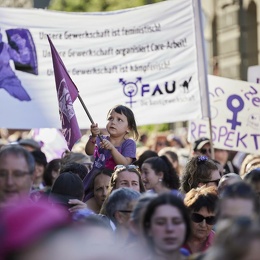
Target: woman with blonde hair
127	176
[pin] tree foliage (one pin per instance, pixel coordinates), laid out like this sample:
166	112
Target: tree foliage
96	5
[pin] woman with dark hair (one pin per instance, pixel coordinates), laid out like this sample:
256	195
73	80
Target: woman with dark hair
199	171
166	227
201	203
159	175
99	187
51	173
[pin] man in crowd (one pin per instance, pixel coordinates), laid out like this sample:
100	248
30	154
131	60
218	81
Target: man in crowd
16	173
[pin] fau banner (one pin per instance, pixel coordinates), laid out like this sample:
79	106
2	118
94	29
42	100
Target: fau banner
144	57
235	110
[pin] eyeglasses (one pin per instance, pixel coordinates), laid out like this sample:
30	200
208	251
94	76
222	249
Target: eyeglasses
215	181
125	211
126	167
204	151
15	174
197	218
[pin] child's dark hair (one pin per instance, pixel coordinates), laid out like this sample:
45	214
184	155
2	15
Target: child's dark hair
120	109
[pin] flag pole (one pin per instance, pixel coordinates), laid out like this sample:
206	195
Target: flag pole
202	68
88	114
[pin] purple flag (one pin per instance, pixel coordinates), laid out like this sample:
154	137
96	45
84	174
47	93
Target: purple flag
67	93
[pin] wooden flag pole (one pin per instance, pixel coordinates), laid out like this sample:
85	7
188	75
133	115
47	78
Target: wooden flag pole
88	114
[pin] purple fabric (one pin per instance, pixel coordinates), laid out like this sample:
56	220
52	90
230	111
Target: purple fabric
8	80
21	42
67	93
104	159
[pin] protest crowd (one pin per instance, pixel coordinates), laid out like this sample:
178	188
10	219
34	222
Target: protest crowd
122	195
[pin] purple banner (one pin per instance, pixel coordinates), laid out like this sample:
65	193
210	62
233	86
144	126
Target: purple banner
67	93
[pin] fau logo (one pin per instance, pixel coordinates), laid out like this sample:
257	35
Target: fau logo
131	88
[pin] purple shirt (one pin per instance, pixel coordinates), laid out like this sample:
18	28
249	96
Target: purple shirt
104	159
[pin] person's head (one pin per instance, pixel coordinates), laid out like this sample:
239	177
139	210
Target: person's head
250	162
75	157
228	179
51	172
237	238
199	171
157	142
221	168
67	186
145	155
253	179
201	203
30	144
143	139
40	164
120	205
172	157
24	226
202	147
237	200
76	168
16	172
128	176
221	155
175	141
166	219
100	186
121	121
137	214
159	171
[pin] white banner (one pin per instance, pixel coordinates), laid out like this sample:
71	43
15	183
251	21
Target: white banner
145	58
235	110
253	74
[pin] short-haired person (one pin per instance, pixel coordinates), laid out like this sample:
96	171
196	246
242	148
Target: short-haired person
199	171
40	164
237	200
68	191
201	203
228	179
16	173
119	207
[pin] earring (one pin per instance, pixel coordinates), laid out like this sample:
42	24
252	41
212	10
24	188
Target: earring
160	180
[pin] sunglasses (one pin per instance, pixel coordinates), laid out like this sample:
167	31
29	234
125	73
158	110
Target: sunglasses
214	181
204	151
126	167
197	218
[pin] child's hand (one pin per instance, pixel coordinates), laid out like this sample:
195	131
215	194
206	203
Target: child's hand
94	130
106	145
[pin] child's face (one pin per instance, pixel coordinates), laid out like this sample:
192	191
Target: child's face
117	124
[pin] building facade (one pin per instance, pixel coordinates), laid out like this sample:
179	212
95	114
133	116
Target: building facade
232	36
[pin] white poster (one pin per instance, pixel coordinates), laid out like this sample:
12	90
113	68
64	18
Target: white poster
253	74
235	110
145	58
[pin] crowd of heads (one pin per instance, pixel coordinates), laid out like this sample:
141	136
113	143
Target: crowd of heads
154	208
